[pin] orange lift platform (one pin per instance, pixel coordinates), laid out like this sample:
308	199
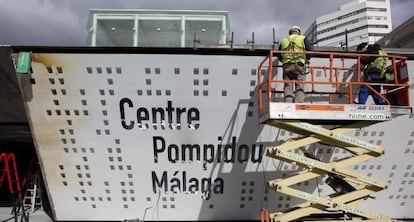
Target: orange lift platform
329	112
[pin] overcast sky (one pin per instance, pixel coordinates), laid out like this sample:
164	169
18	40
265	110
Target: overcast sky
63	22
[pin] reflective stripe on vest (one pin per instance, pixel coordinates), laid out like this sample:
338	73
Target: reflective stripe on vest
379	63
293	43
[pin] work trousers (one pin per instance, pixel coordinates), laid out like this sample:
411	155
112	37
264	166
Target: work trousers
364	91
294	71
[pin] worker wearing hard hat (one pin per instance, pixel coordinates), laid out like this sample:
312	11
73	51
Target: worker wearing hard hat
373	73
294	63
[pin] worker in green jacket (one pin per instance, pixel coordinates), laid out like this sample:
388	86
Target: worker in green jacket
294	63
373	73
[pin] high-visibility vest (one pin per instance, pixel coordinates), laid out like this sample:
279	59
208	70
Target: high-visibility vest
379	64
293	43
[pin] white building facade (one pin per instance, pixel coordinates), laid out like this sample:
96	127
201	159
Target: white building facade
353	23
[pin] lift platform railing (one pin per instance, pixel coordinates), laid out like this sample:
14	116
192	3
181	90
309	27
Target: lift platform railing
395	89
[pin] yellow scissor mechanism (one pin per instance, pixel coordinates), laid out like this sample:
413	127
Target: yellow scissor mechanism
328	123
347	198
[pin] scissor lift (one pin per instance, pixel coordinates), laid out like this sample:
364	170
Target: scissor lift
328	123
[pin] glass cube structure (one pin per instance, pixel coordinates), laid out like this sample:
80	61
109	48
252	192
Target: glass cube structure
157	28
